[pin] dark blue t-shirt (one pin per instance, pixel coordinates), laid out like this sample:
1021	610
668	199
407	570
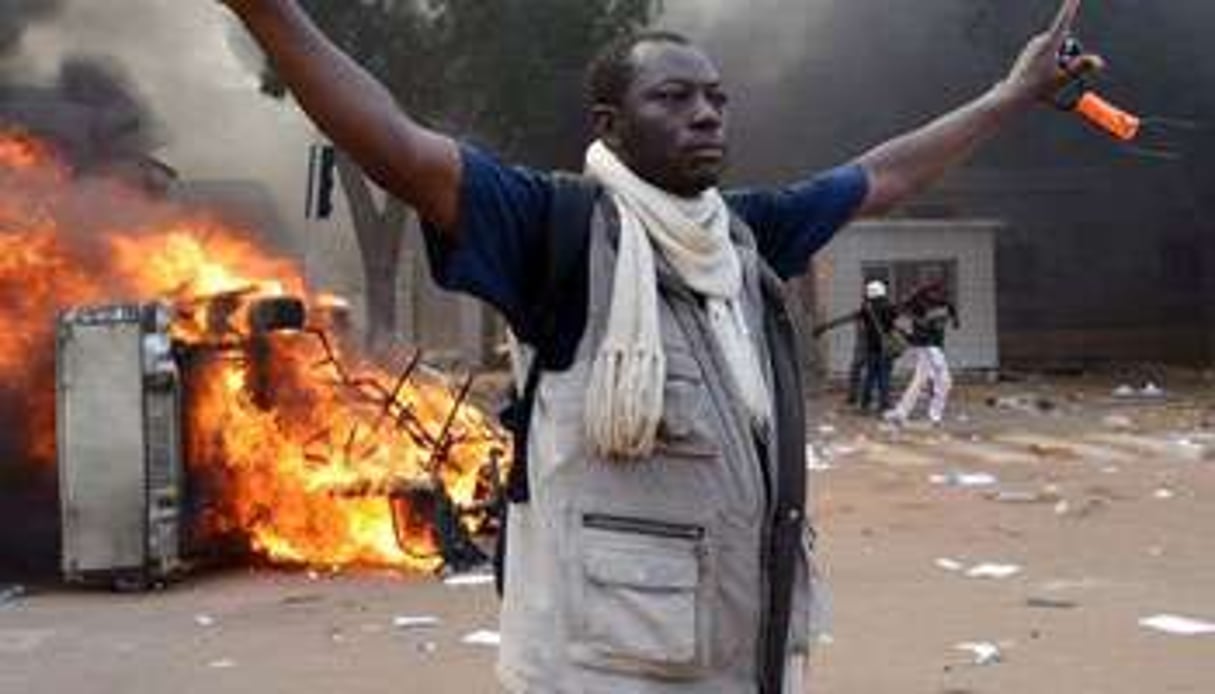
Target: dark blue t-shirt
497	252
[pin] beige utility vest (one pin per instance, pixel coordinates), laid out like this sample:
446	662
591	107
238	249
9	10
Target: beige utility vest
645	576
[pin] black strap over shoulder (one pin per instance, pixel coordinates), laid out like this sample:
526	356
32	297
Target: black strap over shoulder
789	519
565	280
566	260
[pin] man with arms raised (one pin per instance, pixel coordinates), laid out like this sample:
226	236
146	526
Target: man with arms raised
664	547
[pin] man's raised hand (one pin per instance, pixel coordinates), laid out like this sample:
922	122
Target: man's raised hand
1037	73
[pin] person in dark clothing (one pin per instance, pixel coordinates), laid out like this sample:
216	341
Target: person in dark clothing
875	339
856	365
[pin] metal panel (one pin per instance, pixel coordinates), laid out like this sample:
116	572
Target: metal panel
101	442
165	471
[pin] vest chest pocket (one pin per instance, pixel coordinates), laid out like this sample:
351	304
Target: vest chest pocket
639	605
687	428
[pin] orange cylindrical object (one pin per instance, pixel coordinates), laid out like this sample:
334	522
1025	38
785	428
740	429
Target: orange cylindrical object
1108	117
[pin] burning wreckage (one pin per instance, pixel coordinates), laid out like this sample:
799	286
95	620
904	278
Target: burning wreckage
193	408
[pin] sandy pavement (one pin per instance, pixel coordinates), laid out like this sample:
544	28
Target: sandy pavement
1104	506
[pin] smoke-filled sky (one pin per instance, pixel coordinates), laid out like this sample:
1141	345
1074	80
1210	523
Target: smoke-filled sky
818	81
180	57
815	81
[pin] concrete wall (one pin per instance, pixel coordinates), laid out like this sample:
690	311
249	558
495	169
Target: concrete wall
970	243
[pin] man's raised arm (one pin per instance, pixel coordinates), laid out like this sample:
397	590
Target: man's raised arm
907	164
419	166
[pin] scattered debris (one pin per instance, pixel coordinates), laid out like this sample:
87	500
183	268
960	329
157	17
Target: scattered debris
991	570
1118	421
222	664
1164	493
204	620
983	652
1149	391
482	637
418	622
816	462
984	570
428	647
1031	403
826	429
1083	509
950	564
11	594
1179	626
1047	495
956	478
1051	603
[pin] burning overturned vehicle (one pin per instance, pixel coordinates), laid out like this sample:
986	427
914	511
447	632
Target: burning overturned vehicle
192	408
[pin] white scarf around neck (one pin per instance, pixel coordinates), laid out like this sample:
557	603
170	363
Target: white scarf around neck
624	400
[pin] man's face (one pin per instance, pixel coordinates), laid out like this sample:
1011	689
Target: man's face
671	127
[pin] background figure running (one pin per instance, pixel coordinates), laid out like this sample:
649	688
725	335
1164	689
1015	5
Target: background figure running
930	310
875	349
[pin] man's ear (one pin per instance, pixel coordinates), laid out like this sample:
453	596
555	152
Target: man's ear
606	122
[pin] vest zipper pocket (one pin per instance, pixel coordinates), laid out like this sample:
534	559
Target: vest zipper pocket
639	597
643	526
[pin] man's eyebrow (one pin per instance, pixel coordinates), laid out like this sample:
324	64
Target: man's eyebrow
685	82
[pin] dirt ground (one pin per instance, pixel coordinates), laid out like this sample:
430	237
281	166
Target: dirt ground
1102	504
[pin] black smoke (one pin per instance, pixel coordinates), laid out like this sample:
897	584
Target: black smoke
91	113
18	15
1110	247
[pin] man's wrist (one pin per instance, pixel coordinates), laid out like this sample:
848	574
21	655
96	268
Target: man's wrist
1009	97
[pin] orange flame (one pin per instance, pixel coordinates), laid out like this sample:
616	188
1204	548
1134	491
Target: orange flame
311	464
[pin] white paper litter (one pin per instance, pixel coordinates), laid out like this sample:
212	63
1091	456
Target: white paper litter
482	637
983	570
418	622
950	564
1180	626
964	479
222	664
815	462
990	570
462	580
984	652
204	620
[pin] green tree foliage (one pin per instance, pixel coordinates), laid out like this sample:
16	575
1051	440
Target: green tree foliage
508	73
